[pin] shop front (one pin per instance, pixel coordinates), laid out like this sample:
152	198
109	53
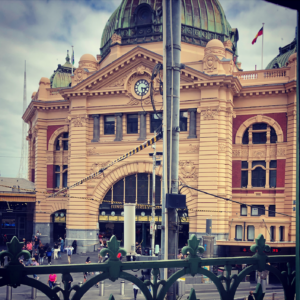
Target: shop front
59	225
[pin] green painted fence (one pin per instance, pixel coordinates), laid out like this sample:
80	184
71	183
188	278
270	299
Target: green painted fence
15	274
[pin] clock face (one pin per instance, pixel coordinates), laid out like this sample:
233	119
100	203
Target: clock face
141	87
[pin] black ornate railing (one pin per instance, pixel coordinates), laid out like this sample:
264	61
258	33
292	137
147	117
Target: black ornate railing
16	274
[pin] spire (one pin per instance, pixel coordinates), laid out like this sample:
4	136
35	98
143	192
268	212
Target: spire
68	57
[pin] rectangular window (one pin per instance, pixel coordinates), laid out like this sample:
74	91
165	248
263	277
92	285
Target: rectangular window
155	122
238	232
118	193
259	137
142	188
130	189
250	233
281	233
57	180
65	179
272	233
244	165
273	164
132	123
183	120
109	125
272	182
272	209
257	210
243	210
244	179
57	168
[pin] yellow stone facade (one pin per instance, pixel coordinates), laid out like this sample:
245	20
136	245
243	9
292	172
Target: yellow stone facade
225	103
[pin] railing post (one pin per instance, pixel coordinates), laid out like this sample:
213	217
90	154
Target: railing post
59	285
122	287
8	292
102	288
33	293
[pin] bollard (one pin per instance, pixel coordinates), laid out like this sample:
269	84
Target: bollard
122	288
102	288
33	293
274	296
8	292
181	287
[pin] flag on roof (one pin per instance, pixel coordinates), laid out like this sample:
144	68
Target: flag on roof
260	32
73	59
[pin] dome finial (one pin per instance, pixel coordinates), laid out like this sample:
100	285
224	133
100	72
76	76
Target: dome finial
68	57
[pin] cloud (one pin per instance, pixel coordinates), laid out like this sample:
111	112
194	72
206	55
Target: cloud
40	32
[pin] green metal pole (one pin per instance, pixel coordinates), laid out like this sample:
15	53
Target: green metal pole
298	173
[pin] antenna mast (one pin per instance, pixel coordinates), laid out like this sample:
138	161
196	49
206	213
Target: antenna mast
24	159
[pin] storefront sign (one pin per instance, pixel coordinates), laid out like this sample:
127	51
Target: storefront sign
113	218
103	218
141	218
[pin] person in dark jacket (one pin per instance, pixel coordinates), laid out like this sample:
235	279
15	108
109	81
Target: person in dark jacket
49	255
250	297
74	245
67	280
41	254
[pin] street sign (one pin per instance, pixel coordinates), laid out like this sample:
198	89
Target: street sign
151	228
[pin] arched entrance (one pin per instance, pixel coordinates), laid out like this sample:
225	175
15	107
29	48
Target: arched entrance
136	188
59	224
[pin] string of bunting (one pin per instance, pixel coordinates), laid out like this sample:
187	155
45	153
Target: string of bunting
112	202
128	154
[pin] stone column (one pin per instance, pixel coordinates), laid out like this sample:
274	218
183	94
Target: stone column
96	129
119	130
192	133
129	228
143	131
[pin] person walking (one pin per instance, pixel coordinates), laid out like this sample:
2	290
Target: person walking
250	297
49	255
34	263
36	255
41	254
136	290
29	247
88	261
69	252
67	280
55	251
36	242
62	245
74	245
52	280
59	245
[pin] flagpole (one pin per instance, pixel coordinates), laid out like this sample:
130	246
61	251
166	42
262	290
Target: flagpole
262	48
72	59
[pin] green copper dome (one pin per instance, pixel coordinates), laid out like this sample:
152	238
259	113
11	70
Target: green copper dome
140	21
282	58
62	75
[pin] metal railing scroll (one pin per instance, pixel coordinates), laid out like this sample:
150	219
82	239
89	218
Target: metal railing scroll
15	274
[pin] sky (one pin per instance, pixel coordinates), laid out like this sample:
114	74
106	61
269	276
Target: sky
41	32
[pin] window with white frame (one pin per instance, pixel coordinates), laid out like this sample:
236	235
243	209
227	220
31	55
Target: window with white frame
238	232
250	233
60	168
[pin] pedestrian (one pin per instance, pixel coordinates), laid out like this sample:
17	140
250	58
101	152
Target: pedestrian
29	247
62	245
74	245
59	245
250	297
52	280
136	289
36	242
88	261
106	257
56	251
41	254
36	255
99	255
67	280
24	245
49	255
69	252
2	261
34	263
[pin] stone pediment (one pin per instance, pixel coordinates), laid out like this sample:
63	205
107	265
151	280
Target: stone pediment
116	76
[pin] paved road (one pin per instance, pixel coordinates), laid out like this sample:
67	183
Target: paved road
24	292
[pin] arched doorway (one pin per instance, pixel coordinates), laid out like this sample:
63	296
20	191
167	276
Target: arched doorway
59	224
136	188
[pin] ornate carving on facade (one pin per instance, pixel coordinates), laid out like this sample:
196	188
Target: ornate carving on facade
281	152
119	83
188	169
244	152
228	44
259	154
92	151
78	121
79	75
65	159
209	113
210	63
116	39
236	153
222	147
192	149
230	113
272	152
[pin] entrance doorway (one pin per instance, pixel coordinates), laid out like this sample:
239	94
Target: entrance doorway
59	225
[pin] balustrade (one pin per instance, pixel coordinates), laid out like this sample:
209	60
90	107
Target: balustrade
15	274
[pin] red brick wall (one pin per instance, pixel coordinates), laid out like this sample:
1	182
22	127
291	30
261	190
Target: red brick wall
236	174
50	131
280	118
280	175
50	176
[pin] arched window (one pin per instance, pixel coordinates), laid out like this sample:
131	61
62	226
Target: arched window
62	141
136	188
259	133
259	177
